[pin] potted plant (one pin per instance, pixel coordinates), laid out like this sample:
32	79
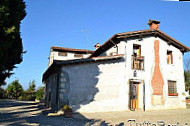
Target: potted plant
67	111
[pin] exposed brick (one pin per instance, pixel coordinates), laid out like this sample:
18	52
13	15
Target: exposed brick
157	79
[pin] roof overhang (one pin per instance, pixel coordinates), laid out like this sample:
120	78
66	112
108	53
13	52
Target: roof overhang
139	34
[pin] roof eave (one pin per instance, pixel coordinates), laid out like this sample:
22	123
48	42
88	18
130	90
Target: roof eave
71	49
140	34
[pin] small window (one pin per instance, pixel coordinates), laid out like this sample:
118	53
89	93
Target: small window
62	54
78	55
169	57
172	89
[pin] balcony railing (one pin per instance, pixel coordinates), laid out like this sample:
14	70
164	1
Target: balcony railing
137	62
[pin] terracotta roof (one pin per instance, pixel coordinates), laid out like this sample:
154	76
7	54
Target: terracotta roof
55	65
63	49
139	34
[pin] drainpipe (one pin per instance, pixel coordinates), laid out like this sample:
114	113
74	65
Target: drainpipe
115	45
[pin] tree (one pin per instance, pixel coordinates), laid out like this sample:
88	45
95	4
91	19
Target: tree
30	92
187	64
2	93
187	80
11	50
14	90
187	73
39	93
32	86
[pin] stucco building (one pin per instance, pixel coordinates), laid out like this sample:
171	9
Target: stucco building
131	70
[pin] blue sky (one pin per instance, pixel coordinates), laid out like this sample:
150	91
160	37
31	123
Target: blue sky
60	22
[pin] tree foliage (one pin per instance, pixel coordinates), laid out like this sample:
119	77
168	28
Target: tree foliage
11	50
187	73
2	93
32	86
14	90
29	94
39	93
187	80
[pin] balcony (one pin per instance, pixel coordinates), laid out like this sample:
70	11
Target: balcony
137	62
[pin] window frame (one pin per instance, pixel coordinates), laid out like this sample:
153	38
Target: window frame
78	55
172	88
135	48
62	54
170	57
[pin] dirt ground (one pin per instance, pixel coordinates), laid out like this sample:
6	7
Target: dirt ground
17	113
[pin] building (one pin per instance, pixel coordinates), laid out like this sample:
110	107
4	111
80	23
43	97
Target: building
131	70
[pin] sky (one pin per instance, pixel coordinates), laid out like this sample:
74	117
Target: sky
83	23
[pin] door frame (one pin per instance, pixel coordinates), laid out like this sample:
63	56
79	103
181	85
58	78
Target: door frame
135	101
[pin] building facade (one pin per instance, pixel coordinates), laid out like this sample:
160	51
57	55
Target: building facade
132	70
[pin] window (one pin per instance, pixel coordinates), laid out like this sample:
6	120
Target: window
78	55
62	54
137	50
169	57
172	89
137	59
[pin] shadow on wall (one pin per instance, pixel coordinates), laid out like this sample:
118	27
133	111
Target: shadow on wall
78	83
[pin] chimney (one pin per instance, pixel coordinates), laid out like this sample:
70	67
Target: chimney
154	25
97	46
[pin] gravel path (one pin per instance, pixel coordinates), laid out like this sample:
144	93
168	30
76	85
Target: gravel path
17	113
24	113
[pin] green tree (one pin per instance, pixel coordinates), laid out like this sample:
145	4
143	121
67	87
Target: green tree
187	73
187	80
2	93
14	90
39	93
11	50
32	86
30	92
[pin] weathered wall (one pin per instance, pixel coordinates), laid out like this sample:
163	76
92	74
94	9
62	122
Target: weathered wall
51	92
97	87
104	86
173	71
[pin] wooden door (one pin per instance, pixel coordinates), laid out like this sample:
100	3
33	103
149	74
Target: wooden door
134	98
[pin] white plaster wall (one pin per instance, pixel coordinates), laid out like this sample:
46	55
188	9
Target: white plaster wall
173	72
114	49
104	86
147	52
97	87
